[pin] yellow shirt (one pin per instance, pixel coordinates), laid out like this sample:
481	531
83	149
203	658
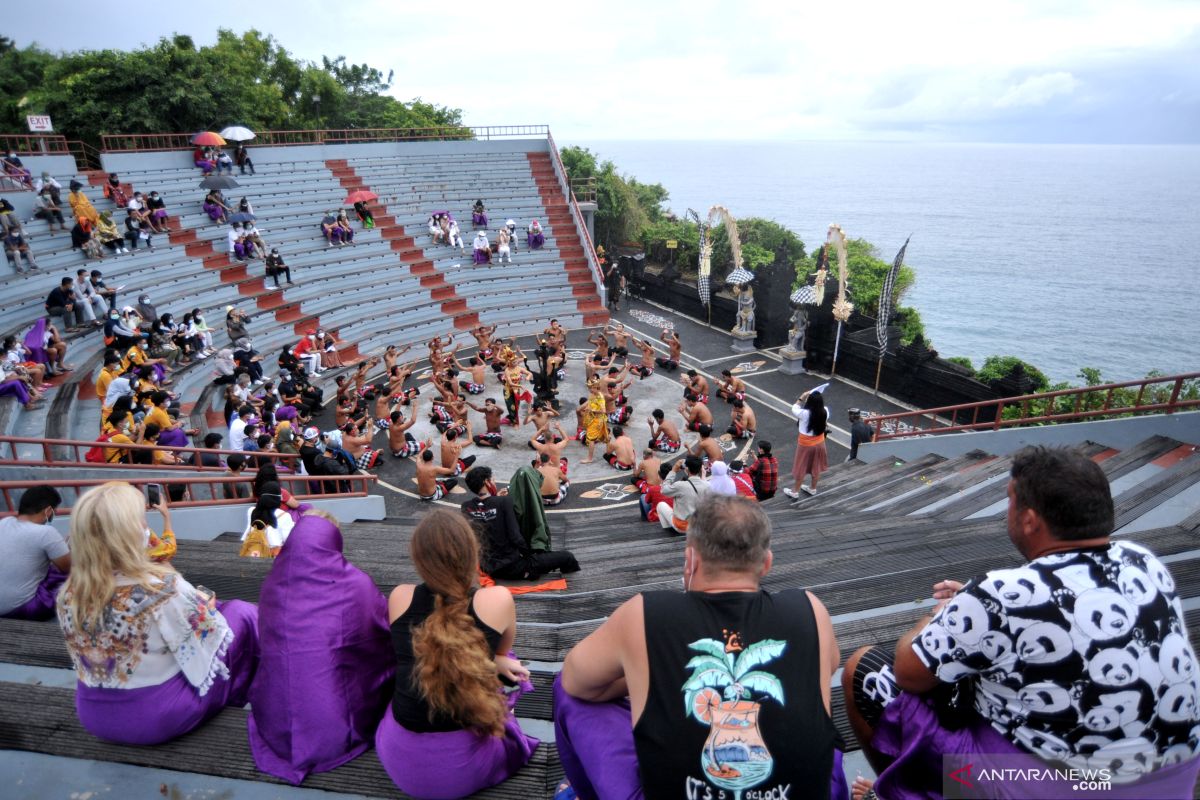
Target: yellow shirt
134	357
160	418
102	381
113	454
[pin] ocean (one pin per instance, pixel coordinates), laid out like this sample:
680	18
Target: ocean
1066	256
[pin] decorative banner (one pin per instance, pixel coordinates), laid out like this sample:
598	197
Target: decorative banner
885	300
841	306
822	275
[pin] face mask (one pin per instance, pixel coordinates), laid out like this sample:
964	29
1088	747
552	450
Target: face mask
145	346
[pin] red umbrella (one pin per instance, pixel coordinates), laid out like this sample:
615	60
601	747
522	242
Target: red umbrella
208	138
360	196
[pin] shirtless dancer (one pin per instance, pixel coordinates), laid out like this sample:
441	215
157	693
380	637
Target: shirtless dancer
540	415
400	441
664	436
397	375
552	446
429	487
554	482
646	473
730	388
695	386
451	448
695	415
620	346
391	355
360	373
492	414
600	355
742	424
671	339
358	445
477	370
618	414
620	453
707	448
483	336
646	368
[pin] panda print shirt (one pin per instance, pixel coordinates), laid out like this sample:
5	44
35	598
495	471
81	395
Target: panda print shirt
1078	657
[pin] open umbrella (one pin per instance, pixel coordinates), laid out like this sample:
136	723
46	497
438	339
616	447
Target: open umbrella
236	133
739	276
218	182
208	138
360	196
242	216
804	296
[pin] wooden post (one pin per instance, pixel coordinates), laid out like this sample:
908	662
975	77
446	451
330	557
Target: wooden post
878	370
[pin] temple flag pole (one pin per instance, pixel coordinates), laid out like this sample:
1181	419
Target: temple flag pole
878	372
836	343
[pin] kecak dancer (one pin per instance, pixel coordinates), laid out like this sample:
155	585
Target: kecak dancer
514	389
596	419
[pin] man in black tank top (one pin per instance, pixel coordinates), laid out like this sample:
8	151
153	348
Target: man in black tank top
721	691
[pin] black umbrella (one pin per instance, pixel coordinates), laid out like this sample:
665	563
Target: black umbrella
218	182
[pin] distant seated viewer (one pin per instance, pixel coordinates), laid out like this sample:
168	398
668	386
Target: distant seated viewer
34	558
326	662
154	656
534	236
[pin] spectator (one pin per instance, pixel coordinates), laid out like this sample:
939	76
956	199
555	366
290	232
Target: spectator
479	217
317	609
203	160
235	323
860	432
14	167
503	246
331	230
87	293
81	206
45	346
741	481
451	642
454	237
82	239
9	218
343	224
764	472
145	217
364	215
212	441
237	243
47	185
276	267
19	357
155	457
115	192
327	344
482	250
133	230
156	209
534	236
269	517
720	482
44	207
117	333
177	656
235	464
632	667
1078	659
242	157
202	330
109	295
17	249
34	557
507	555
254	240
684	487
214	206
511	225
61	303
811	456
224	162
108	235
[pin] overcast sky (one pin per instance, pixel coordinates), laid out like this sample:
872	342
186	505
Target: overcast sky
933	70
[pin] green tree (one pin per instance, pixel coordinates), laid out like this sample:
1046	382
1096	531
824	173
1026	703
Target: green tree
21	71
998	367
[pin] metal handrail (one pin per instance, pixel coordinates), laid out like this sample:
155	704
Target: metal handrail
148	142
589	249
584	189
360	486
79	447
908	423
34	144
86	157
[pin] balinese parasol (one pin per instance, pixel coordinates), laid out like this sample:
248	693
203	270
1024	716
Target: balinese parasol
360	196
236	133
208	138
739	276
804	296
219	182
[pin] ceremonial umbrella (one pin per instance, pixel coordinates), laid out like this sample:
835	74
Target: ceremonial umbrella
208	138
219	182
360	196
242	216
236	133
804	296
739	276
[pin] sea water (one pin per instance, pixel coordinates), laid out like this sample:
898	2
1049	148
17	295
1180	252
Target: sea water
1063	255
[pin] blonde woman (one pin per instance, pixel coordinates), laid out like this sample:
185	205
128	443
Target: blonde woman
154	656
450	732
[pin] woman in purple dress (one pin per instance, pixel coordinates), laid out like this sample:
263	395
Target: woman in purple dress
450	731
534	237
155	656
479	217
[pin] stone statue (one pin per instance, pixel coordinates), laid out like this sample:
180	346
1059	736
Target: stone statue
799	327
745	309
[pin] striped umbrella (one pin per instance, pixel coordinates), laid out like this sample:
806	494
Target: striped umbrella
885	299
804	296
739	276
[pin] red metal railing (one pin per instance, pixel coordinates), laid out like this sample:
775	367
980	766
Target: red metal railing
198	491
86	156
1157	395
34	144
71	452
145	142
589	249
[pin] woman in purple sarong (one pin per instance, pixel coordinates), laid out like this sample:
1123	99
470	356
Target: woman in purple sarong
155	656
214	206
534	236
450	730
481	248
325	670
479	217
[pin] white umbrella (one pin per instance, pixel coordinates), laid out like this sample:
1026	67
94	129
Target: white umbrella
739	276
236	133
804	296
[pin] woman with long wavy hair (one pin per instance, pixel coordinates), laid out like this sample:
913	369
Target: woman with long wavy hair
450	731
154	656
812	458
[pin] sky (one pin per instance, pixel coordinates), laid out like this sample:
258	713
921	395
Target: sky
1092	71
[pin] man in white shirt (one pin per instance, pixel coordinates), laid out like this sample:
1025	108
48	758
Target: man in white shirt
34	557
237	427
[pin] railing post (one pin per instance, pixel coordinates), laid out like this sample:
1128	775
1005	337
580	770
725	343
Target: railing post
1175	391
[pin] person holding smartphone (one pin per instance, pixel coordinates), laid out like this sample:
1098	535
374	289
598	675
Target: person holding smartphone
159	547
154	655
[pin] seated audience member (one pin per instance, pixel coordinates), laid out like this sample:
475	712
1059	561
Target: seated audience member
34	557
242	157
1079	658
214	206
506	554
343	224
270	517
327	343
109	236
331	230
620	727
534	236
324	634
276	267
764	472
202	159
44	207
114	191
235	465
156	210
14	167
83	240
60	302
720	482
741	481
16	248
450	731
87	294
684	487
81	206
48	185
239	248
482	253
503	247
224	162
454	237
155	657
479	218
364	215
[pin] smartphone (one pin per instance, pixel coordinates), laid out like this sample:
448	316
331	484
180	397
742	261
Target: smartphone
153	494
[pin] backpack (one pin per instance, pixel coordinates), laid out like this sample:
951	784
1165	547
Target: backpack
256	544
96	454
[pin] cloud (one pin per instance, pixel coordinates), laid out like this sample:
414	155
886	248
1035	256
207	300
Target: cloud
1038	90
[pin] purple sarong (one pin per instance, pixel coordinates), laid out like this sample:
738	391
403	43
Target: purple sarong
535	240
16	388
176	437
326	663
433	766
157	714
40	607
214	211
909	732
479	219
599	758
286	413
481	256
35	341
